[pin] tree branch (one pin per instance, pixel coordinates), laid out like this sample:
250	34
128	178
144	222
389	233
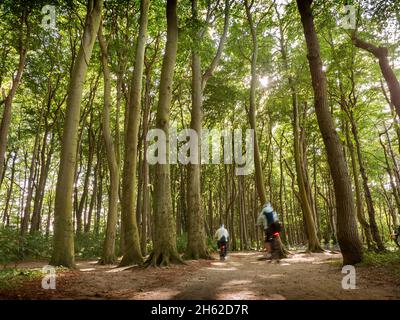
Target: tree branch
208	73
378	52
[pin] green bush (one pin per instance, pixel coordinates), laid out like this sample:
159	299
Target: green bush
14	247
382	259
89	245
390	261
38	246
12	277
10	244
181	242
212	244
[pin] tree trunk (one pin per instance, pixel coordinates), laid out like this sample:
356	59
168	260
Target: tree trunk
381	53
349	240
396	170
196	244
393	186
93	197
252	117
49	206
6	214
145	164
281	192
81	212
63	252
108	256
32	170
367	193
164	240
132	252
99	196
6	119
359	205
40	190
306	205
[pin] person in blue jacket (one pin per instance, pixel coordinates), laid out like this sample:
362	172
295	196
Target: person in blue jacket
269	221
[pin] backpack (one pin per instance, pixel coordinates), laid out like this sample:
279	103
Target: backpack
271	217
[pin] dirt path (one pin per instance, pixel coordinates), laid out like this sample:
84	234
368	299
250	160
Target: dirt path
241	276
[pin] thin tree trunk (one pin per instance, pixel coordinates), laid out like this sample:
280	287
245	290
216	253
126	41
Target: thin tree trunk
108	256
359	205
40	190
367	193
10	190
99	199
306	205
80	220
49	206
393	186
145	164
6	119
93	197
252	118
27	211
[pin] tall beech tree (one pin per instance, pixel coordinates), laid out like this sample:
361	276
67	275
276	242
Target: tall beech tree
164	240
132	249
23	44
259	179
196	245
348	238
63	252
252	101
113	166
299	156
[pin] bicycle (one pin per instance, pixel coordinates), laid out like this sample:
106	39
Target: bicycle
222	251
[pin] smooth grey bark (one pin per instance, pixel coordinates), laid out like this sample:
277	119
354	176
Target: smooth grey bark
164	240
132	253
196	245
63	251
108	256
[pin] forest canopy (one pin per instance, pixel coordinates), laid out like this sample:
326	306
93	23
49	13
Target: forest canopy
84	84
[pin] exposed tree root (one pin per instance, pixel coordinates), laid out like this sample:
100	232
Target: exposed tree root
107	260
130	259
196	255
317	249
278	250
163	259
63	263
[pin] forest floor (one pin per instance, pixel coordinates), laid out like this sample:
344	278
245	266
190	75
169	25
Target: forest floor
242	276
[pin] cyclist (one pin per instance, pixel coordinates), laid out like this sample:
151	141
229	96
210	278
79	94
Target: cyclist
268	219
222	236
